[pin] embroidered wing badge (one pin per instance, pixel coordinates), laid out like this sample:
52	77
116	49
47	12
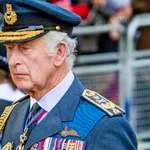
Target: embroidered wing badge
107	106
67	132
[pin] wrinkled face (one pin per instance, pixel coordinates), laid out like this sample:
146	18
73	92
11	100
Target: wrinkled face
30	66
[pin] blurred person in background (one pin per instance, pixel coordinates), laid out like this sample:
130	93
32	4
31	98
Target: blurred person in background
142	38
8	90
113	12
82	8
117	13
93	12
121	12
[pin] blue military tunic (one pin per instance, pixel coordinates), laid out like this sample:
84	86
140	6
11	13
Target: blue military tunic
81	115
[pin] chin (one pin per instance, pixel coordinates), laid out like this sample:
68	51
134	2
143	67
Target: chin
25	87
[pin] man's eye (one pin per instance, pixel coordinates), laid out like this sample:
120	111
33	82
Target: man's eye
24	48
9	48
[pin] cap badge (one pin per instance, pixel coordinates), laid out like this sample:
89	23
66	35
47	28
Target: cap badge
67	132
10	16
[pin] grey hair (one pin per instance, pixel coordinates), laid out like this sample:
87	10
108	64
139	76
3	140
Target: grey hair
53	38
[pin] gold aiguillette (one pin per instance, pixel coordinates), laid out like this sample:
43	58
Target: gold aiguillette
8	146
23	138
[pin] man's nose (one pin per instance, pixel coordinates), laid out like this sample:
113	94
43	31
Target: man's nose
15	59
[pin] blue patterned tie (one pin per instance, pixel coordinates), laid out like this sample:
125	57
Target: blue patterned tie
35	108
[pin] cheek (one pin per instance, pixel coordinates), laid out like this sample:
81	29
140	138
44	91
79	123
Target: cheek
32	65
40	68
36	70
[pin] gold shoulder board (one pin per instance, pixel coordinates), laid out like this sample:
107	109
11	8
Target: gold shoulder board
5	115
107	106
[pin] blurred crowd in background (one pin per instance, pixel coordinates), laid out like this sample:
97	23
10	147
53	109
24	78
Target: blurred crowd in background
112	12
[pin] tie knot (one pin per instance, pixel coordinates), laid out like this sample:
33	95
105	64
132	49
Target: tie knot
35	108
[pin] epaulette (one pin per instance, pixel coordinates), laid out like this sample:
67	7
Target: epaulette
104	104
6	113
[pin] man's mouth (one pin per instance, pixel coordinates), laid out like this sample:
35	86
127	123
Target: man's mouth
20	75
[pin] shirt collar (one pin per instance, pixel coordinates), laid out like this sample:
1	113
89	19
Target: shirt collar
49	100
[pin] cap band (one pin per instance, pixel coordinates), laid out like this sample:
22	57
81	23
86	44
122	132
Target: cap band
13	36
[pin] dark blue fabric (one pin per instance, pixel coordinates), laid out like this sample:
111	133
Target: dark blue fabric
112	134
34	15
85	118
36	6
109	133
16	123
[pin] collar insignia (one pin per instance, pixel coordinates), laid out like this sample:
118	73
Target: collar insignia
67	132
10	16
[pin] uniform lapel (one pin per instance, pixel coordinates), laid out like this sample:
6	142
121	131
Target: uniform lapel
15	124
50	125
63	111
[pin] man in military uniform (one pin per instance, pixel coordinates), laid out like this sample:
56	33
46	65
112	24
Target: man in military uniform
58	112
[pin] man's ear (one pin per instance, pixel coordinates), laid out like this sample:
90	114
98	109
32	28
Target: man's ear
61	53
